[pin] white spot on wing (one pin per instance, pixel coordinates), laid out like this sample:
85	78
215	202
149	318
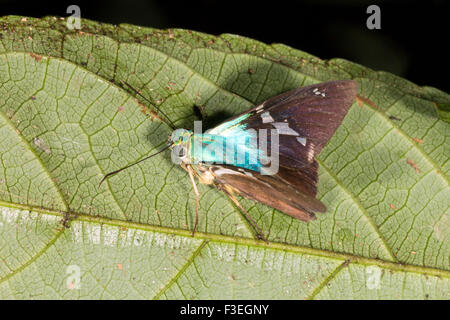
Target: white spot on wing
318	93
260	107
302	140
283	128
245	172
266	117
225	171
311	153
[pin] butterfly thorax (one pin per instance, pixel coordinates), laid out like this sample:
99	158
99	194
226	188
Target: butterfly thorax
207	152
239	150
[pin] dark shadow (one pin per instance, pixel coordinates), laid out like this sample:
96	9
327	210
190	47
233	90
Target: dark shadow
198	112
216	119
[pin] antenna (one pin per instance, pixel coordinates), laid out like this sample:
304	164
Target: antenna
130	165
146	99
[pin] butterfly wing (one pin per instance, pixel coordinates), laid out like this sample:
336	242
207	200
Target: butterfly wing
305	118
268	190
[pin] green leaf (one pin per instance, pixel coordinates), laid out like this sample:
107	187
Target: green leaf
64	123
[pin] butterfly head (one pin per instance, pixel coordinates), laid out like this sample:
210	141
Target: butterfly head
179	137
179	143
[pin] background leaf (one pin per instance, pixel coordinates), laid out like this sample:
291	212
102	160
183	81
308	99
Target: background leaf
64	124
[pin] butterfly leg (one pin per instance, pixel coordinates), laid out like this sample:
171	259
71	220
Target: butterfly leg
197	196
259	232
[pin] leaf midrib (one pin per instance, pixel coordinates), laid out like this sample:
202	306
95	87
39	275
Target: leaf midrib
81	217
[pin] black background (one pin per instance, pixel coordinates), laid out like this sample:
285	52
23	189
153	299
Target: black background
112	309
412	42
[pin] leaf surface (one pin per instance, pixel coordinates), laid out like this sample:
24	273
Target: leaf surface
64	123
